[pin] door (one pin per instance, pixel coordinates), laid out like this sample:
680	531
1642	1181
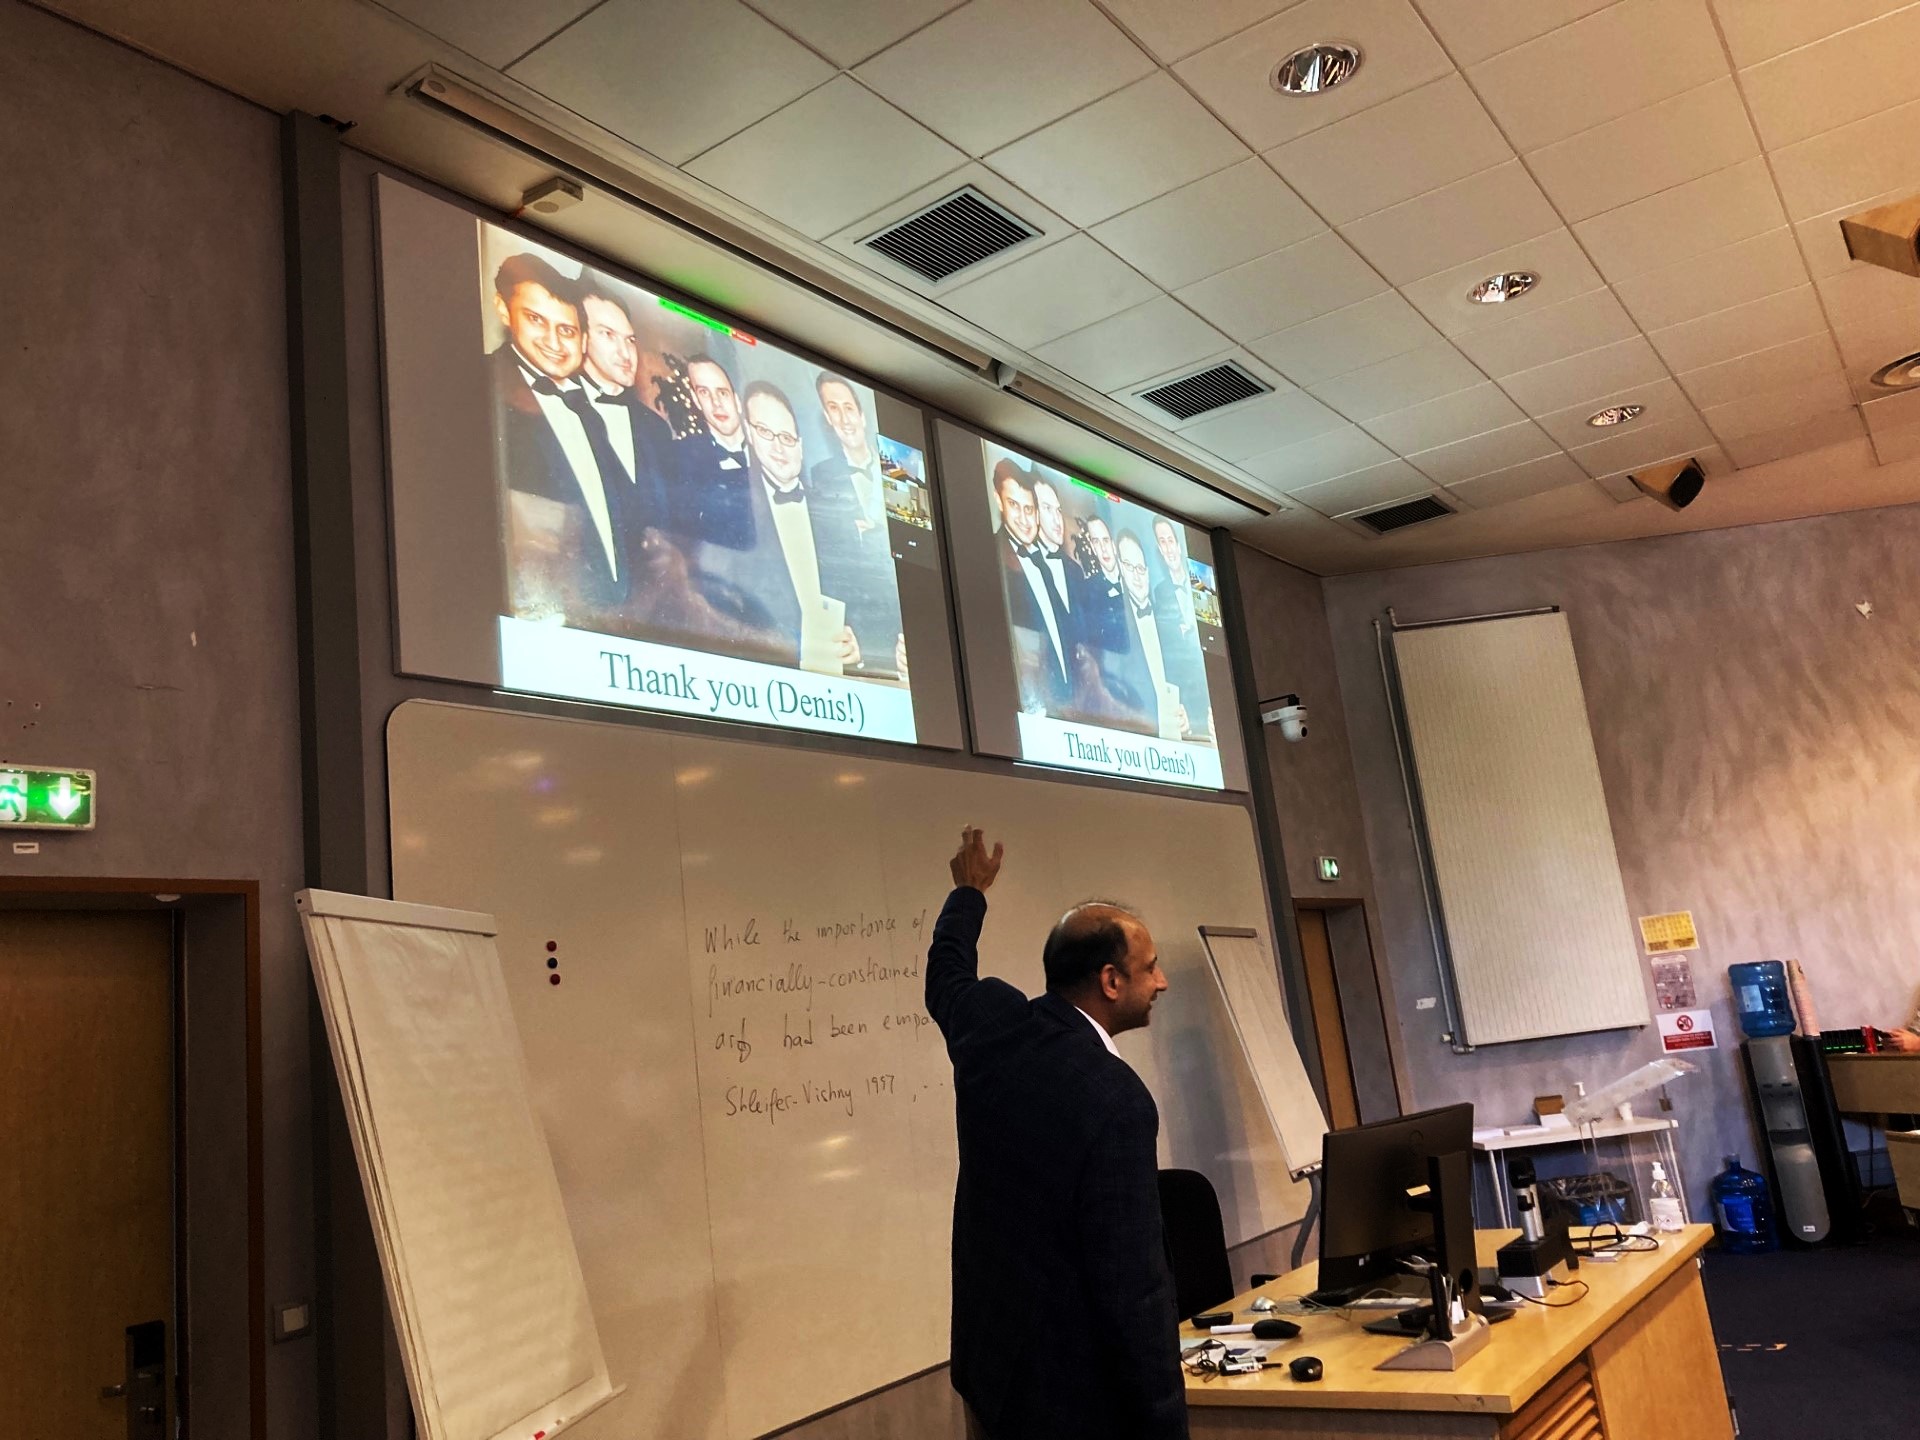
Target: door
1323	994
86	1169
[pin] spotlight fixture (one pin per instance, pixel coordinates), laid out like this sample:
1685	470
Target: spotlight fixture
1615	415
1316	68
1498	289
1901	374
1676	484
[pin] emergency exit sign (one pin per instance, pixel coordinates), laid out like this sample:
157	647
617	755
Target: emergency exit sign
40	799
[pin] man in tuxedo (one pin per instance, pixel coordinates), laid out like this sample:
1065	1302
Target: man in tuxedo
1064	1323
803	554
1050	546
641	438
1103	597
1155	657
1174	594
858	463
715	503
849	481
1034	602
1179	627
567	486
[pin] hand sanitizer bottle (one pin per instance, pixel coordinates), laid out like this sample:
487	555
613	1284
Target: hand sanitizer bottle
1663	1206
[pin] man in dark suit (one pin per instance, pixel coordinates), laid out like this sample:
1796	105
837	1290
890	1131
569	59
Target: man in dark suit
851	483
642	439
1064	1325
715	461
1034	603
567	488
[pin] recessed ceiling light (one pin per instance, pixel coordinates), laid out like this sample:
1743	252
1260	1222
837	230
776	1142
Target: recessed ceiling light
1314	68
1902	374
1615	415
1498	289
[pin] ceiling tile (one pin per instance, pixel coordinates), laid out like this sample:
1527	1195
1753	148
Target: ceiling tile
496	31
1865	348
1555	257
1585	379
1227	219
1149	339
1732	275
1409	379
1534	477
1233	76
991	71
1441	422
1846	77
1807	360
1474	30
1452	225
1050	293
1285	288
1758	30
1840	169
1891	412
1621	59
1662	400
1866	295
1406	146
1890	447
1365	489
1484	454
1741	329
1531	338
1254	427
1121	151
848	31
1638	446
1835	427
833	155
1654	149
1173	31
1376	329
1690	219
1324	457
611	68
1761	414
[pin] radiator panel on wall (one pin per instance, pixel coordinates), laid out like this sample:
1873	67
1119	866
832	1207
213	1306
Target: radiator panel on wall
1520	841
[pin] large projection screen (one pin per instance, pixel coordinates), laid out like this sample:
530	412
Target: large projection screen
1091	623
604	493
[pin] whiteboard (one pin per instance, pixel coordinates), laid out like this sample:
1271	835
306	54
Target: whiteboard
1243	968
1536	914
750	1114
467	1215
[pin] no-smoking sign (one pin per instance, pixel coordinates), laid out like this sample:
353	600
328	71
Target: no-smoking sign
1687	1030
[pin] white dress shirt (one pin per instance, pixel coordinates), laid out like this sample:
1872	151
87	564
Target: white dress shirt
612	407
1101	1031
572	435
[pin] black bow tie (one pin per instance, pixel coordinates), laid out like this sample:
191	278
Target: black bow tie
1143	611
788	497
545	385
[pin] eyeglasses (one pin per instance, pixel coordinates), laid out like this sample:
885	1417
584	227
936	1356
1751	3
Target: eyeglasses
1139	565
786	439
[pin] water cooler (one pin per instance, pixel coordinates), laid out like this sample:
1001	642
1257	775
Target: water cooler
1817	1193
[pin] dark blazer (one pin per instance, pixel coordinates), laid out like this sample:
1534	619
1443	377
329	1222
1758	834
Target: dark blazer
1024	612
713	505
532	462
1063	1309
656	464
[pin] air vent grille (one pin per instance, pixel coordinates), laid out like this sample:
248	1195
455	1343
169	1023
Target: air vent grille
951	235
1400	516
1204	390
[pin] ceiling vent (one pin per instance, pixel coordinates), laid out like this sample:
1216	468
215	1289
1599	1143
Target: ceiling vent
951	235
1204	390
1400	516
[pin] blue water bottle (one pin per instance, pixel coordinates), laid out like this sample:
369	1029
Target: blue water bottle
1743	1210
1760	992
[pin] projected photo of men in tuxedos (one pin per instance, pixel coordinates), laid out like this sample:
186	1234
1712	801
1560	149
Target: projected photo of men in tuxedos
660	481
1102	632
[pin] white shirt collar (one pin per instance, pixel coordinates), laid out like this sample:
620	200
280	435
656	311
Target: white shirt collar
1101	1031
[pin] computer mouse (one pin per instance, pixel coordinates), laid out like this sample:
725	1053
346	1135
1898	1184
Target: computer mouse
1306	1368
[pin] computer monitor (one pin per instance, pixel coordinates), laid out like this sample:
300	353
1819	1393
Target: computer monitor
1368	1224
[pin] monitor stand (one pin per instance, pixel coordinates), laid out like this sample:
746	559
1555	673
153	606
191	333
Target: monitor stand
1454	1275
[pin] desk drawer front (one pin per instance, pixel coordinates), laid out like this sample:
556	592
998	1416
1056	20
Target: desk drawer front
1568	1409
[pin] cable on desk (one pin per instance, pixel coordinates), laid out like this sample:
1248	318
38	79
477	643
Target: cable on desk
1559	1304
1592	1242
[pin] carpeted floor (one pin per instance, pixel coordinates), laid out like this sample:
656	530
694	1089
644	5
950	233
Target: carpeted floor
1847	1324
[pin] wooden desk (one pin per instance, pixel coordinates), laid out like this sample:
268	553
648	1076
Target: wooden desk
1634	1360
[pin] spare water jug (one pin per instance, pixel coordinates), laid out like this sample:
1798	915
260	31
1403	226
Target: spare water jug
1743	1210
1760	992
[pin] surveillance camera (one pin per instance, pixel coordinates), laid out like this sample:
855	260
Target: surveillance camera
1289	714
1003	374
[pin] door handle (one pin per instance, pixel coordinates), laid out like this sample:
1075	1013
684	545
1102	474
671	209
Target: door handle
113	1392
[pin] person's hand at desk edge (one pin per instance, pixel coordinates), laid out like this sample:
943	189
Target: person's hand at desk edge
1904	1042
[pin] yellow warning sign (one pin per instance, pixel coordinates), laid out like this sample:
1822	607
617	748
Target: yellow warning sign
1665	934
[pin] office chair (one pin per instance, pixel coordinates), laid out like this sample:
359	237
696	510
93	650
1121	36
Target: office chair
1196	1241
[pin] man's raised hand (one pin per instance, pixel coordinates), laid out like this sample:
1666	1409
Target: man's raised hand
971	864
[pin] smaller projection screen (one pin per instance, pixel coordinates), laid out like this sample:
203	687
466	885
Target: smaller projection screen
604	493
1091	623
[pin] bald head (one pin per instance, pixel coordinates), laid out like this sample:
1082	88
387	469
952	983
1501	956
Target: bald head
1102	960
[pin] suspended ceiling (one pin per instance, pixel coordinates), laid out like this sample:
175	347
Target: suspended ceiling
1672	170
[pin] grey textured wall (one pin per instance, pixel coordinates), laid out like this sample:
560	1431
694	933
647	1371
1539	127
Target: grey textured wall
1759	742
145	562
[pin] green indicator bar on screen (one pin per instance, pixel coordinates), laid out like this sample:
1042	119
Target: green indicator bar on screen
706	320
1084	485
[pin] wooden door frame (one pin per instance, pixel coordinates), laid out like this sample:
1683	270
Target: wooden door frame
19	892
1389	1013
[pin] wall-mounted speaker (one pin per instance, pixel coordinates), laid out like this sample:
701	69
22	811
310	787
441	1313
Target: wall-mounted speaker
1676	484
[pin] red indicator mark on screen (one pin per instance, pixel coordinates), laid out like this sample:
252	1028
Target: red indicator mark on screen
707	320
